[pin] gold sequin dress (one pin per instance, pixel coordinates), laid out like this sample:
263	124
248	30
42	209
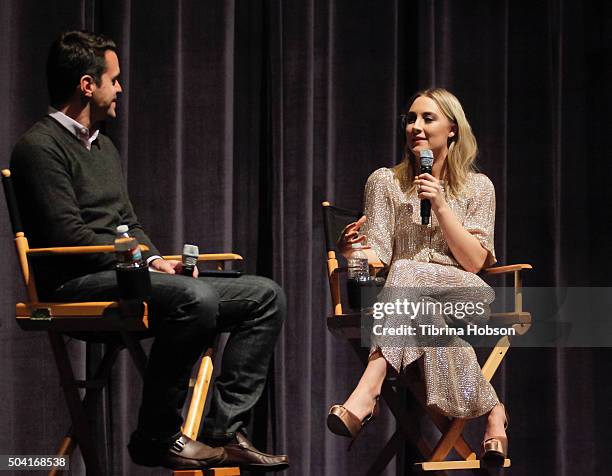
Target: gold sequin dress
420	259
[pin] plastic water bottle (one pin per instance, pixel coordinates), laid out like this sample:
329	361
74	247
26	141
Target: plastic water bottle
133	277
358	275
358	263
127	249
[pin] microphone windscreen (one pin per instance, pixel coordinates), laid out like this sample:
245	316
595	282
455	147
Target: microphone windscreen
427	158
191	250
190	259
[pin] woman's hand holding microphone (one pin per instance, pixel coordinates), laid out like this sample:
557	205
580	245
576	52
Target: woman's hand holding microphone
429	188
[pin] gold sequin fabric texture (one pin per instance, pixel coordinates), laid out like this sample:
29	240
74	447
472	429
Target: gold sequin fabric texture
420	260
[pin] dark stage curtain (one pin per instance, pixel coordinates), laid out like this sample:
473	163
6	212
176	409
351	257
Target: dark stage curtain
240	117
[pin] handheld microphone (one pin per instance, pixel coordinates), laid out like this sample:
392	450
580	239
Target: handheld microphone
190	259
426	156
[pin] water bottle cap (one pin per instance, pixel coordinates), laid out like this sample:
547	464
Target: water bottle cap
122	229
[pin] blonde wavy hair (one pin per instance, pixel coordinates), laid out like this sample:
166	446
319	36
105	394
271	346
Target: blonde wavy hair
462	147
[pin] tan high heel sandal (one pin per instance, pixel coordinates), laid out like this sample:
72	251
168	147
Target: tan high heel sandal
495	448
341	421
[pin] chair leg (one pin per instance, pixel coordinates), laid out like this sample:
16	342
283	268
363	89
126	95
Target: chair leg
443	423
385	456
66	448
136	352
405	420
406	428
102	373
446	443
75	404
69	442
451	429
451	432
495	358
191	427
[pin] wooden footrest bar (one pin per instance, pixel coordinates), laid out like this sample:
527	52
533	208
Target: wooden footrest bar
450	465
209	472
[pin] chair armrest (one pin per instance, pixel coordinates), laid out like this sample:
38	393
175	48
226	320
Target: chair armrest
211	257
506	269
75	250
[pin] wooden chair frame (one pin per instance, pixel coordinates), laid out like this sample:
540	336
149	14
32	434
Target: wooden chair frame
123	319
348	325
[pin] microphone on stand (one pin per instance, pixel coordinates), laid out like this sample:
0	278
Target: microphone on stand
190	259
426	163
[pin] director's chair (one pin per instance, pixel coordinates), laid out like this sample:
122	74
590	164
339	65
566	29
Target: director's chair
118	325
343	323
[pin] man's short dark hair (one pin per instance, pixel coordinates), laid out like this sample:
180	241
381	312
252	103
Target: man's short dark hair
73	55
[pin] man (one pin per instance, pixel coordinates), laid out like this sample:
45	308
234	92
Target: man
73	193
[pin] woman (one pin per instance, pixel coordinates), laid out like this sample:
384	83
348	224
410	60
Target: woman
443	256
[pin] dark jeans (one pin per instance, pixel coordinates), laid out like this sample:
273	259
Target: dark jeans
185	315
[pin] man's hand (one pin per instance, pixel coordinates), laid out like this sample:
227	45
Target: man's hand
171	266
165	266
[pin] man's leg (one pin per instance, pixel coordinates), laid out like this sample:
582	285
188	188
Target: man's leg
183	317
253	309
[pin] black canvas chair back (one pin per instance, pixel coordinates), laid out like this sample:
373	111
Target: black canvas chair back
335	220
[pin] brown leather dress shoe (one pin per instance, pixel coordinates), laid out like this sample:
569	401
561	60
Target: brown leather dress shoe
182	453
241	452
